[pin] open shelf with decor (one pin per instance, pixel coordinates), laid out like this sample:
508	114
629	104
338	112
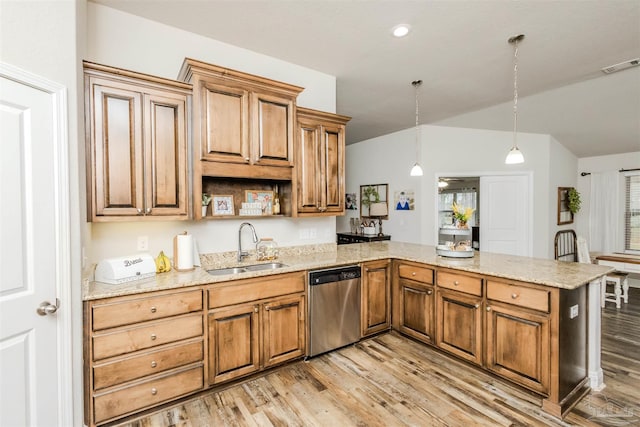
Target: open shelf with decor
261	198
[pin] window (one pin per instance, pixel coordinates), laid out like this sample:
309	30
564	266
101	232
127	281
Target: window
632	213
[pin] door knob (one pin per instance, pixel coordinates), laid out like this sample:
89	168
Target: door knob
46	308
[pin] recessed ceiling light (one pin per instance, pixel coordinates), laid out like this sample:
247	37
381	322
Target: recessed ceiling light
401	30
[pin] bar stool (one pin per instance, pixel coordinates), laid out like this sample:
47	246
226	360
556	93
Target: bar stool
620	288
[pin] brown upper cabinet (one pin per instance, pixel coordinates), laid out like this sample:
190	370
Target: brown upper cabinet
320	163
243	125
136	133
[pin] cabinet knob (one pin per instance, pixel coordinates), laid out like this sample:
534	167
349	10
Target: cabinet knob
154	391
267	308
246	158
413	273
139	211
153	364
456	283
255	309
514	296
153	309
488	308
148	210
429	292
153	337
477	306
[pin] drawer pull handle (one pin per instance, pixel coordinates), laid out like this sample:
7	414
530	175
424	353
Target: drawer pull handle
154	391
514	296
153	364
153	337
153	309
488	308
456	283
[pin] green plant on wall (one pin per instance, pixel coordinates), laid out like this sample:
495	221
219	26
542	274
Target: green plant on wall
574	200
370	195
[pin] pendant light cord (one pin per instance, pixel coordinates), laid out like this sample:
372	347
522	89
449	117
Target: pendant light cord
416	84
515	92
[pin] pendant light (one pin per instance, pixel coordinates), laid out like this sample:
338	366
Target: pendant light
515	155
416	170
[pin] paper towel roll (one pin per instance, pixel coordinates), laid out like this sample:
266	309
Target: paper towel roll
183	252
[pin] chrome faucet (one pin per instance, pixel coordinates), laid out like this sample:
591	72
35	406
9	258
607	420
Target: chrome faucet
241	253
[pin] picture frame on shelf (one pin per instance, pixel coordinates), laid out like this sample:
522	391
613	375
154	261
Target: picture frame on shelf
264	197
222	205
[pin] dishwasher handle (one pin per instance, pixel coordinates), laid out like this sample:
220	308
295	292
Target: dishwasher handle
334	275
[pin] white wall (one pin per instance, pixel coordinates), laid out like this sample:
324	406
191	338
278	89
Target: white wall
45	38
454	152
127	41
562	167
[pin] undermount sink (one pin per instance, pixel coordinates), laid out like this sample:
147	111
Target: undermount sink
245	269
267	266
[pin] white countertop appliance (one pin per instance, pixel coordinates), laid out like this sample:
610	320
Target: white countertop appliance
115	271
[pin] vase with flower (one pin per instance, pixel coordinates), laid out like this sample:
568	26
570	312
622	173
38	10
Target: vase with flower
461	215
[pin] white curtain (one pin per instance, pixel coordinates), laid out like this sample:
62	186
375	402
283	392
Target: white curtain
604	213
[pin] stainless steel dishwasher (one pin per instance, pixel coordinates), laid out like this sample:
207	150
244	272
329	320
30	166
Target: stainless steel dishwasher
334	308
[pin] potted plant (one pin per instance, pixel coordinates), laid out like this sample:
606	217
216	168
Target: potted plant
461	214
574	200
206	199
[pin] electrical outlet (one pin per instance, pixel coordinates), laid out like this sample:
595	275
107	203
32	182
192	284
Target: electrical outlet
143	243
573	311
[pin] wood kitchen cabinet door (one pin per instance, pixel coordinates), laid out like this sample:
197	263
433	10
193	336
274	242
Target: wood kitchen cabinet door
284	329
116	148
224	123
459	324
137	145
320	163
233	342
165	154
272	130
375	297
518	343
417	310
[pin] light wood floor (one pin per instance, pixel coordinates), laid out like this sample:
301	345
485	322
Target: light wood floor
390	380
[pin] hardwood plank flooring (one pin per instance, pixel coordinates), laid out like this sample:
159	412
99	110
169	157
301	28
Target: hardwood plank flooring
390	380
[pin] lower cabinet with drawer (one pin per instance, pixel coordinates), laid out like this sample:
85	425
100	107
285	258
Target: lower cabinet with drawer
459	315
141	351
414	301
269	329
510	328
518	334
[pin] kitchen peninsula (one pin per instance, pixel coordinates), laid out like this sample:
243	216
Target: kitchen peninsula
522	319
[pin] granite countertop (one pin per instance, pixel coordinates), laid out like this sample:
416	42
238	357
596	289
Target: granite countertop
565	275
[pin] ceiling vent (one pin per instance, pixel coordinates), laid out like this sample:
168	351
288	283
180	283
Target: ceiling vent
621	66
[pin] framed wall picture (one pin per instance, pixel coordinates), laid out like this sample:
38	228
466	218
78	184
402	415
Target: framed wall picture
565	216
373	193
265	198
222	205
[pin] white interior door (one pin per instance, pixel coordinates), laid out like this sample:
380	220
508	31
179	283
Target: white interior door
505	208
34	254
